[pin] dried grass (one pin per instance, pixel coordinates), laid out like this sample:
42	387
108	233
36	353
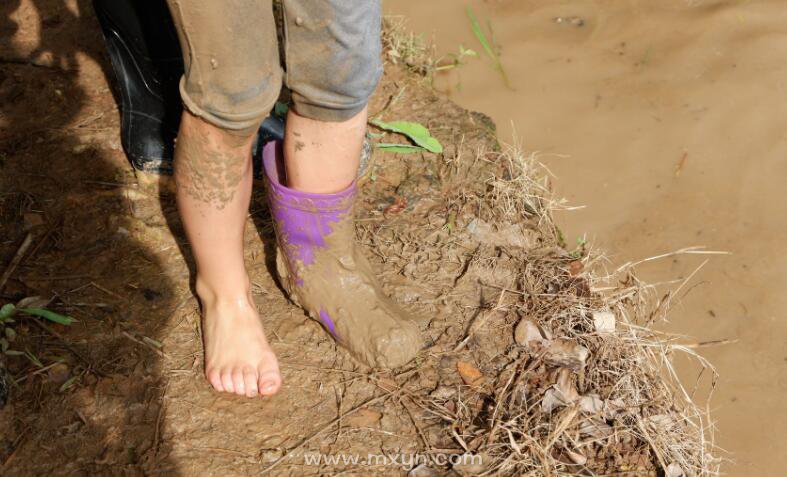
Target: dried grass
623	411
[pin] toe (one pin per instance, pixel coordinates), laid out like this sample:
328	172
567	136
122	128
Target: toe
214	378
269	379
237	381
269	385
250	381
226	381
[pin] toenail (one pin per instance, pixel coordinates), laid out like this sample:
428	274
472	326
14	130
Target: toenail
268	387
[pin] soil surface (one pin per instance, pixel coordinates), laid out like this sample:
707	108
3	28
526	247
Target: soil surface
666	120
121	391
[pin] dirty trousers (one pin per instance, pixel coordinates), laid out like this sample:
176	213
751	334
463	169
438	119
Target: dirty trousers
233	73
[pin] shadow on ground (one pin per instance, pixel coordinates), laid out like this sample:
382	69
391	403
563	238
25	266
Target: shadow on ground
86	398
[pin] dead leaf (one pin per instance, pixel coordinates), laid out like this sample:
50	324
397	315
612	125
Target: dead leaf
471	375
595	427
527	331
33	302
591	404
399	204
576	457
566	353
674	470
562	393
575	267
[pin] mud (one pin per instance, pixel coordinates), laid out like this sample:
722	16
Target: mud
663	120
323	271
108	249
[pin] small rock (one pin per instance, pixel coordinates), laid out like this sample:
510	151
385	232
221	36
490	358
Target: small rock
59	373
604	321
443	392
527	331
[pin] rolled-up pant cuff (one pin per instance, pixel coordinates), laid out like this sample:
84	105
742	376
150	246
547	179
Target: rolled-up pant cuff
232	121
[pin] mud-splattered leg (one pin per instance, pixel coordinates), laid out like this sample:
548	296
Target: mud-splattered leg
214	177
320	156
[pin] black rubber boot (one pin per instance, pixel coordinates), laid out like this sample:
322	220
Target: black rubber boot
146	59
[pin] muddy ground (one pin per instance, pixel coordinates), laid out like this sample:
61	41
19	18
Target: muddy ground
121	391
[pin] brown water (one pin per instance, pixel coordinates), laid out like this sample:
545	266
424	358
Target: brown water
667	120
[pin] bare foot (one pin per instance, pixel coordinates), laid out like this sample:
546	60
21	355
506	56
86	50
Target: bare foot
238	358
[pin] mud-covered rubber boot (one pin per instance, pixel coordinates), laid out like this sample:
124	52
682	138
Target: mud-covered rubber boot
324	272
146	60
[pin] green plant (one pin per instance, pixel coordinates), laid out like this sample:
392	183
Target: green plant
8	334
416	132
456	59
490	47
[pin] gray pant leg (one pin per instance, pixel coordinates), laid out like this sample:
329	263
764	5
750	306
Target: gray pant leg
332	55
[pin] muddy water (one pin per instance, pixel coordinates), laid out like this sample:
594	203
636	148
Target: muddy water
667	120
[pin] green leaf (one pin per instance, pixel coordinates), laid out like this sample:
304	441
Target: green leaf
479	33
68	383
34	359
415	131
399	148
13	352
49	315
7	311
486	44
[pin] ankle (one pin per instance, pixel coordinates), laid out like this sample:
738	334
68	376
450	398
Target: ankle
211	294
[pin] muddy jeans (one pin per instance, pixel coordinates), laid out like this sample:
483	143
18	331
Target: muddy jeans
231	56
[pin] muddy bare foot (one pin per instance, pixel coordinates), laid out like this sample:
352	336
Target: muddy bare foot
325	273
238	358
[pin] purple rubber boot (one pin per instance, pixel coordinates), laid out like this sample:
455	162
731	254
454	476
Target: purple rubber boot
324	272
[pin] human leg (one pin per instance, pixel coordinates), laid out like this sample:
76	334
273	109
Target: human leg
230	83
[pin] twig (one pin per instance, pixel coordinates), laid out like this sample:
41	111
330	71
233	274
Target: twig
20	253
702	344
157	435
145	343
696	250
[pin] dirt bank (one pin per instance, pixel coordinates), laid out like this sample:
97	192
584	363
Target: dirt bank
464	240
